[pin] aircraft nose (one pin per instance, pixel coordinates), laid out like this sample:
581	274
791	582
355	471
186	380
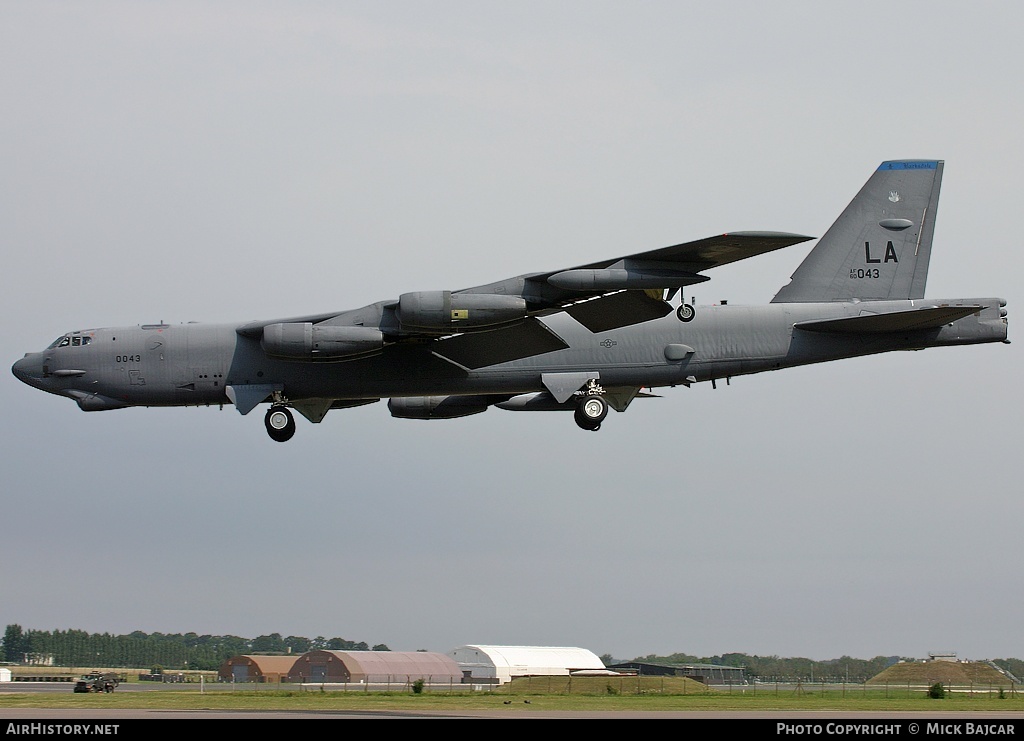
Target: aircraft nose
29	369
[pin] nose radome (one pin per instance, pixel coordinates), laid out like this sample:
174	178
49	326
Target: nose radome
28	369
19	368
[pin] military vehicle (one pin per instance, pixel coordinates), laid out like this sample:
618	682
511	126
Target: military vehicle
97	682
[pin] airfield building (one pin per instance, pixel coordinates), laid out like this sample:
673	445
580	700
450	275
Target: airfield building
256	668
500	664
374	667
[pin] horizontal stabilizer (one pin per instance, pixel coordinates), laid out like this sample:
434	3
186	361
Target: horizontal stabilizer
898	321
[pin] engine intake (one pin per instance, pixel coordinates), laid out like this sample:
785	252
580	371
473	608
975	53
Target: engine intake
307	340
446	312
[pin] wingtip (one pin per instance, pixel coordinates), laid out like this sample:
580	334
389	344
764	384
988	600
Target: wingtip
910	164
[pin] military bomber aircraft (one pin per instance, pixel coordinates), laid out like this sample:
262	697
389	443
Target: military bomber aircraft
583	339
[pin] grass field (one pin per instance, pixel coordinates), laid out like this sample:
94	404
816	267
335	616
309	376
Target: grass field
540	693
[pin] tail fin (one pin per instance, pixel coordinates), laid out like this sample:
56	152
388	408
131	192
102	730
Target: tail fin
880	246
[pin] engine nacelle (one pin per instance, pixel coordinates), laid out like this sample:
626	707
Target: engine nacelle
436	407
446	312
306	340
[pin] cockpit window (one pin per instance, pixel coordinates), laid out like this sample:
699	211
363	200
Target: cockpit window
70	341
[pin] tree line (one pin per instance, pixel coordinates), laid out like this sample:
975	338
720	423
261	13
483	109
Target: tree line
178	651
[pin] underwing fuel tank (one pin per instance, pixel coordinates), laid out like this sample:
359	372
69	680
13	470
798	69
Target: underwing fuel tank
436	407
304	340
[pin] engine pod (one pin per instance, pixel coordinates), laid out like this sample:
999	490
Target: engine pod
307	340
446	312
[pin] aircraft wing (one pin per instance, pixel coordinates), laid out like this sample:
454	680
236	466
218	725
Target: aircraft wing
254	329
587	292
711	252
668	267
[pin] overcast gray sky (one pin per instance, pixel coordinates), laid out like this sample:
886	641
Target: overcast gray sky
234	161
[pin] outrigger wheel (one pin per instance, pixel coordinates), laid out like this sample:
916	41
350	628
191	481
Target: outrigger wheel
590	412
686	313
280	423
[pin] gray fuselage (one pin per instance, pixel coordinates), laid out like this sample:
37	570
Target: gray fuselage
193	364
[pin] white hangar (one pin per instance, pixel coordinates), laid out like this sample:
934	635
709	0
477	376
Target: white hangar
500	664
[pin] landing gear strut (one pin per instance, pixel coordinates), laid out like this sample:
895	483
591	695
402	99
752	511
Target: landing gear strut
592	408
280	423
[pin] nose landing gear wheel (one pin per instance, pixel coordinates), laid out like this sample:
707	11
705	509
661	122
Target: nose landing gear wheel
686	313
591	413
280	424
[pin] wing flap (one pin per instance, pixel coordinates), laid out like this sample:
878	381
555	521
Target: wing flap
480	350
898	321
617	310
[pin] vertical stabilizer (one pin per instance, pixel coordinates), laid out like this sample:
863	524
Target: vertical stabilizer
880	246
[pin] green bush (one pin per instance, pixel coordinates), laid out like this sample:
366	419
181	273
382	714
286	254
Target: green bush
937	691
417	686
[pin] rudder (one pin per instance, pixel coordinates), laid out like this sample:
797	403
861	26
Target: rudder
880	245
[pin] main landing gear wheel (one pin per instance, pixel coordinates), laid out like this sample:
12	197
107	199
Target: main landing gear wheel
280	424
591	413
686	313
